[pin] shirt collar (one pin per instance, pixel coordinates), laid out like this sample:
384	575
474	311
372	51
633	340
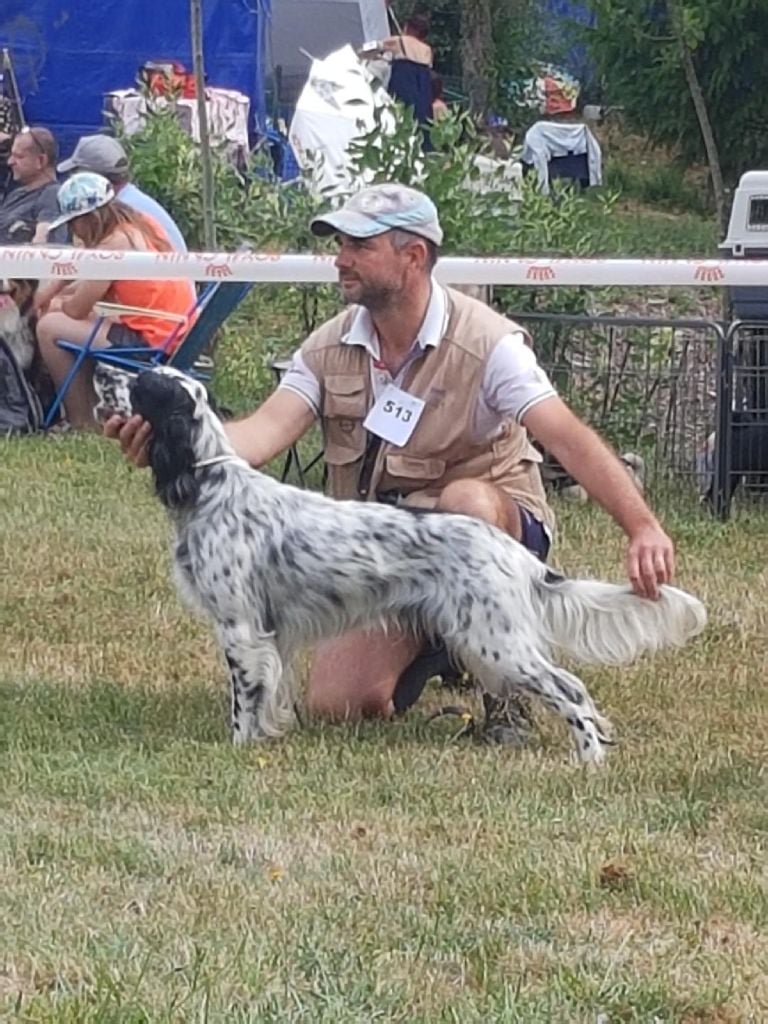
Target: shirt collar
362	332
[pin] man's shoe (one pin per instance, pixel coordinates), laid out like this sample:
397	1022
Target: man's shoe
508	721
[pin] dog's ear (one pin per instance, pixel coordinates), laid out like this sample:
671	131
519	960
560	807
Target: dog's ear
172	458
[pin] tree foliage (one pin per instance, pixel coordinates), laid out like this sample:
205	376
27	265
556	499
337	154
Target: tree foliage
634	47
486	42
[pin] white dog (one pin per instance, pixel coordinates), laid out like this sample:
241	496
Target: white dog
277	568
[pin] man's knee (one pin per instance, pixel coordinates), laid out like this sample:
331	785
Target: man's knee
481	500
473	498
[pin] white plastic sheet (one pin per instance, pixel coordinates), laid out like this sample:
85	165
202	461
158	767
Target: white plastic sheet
336	106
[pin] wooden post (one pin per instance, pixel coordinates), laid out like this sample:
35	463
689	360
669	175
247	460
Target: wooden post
198	66
677	21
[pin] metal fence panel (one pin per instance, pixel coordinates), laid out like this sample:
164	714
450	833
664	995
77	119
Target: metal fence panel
649	385
744	421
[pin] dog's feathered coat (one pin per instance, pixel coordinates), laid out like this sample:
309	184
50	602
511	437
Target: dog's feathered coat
277	568
17	319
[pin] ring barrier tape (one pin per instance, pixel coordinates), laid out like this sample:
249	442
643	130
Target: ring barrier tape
285	268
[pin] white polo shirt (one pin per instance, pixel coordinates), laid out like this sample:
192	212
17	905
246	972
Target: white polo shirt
512	384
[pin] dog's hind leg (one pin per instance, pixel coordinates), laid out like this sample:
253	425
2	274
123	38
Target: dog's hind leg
510	666
256	677
566	695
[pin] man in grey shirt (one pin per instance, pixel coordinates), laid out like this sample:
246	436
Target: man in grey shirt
31	201
104	155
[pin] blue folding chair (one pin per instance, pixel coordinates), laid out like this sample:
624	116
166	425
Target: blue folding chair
211	309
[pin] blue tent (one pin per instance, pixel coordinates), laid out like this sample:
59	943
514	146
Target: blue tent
68	53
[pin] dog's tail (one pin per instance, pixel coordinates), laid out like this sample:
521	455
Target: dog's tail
607	624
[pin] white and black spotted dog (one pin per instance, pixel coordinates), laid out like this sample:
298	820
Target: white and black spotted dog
113	391
277	568
17	319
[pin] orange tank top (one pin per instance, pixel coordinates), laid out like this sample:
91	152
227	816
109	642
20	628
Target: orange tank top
174	296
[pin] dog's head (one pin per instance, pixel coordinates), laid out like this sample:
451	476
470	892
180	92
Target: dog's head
635	466
17	320
9	309
184	431
17	292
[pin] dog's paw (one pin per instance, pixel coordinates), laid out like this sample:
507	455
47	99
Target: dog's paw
243	733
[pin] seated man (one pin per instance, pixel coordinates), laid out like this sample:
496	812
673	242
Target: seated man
426	397
30	204
102	154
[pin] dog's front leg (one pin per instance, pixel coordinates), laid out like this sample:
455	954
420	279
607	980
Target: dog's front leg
255	672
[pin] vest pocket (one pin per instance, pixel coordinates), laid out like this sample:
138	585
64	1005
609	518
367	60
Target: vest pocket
344	409
411	468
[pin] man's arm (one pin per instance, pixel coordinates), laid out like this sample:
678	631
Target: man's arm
277	424
48	211
650	557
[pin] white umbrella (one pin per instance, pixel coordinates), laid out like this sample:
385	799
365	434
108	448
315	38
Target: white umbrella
337	105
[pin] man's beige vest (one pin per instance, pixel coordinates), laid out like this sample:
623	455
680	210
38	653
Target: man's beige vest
441	449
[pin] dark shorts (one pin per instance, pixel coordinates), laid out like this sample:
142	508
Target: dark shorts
535	535
121	336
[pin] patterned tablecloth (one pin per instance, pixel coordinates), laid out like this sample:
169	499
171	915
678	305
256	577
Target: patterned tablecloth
227	115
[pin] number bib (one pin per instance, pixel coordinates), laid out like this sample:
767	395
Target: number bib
394	416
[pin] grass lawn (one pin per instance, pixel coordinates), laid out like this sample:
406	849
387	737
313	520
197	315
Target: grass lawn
150	872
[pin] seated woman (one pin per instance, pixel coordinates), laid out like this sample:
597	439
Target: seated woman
97	220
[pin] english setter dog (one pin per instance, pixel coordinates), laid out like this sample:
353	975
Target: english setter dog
17	321
113	391
277	568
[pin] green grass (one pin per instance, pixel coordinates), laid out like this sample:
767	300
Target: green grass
656	182
152	873
641	231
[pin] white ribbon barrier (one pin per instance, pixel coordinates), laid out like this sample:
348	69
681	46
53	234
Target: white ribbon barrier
272	268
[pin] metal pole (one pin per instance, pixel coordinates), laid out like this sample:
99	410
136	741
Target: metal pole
198	66
7	68
721	481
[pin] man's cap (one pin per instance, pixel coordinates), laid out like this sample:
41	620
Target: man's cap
380	208
98	153
82	193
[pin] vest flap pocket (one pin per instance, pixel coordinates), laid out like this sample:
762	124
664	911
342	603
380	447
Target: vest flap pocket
340	454
408	467
344	383
345	395
343	414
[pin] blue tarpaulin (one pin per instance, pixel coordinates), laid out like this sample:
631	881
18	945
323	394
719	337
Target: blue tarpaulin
68	53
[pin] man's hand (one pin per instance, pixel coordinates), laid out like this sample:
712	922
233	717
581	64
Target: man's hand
651	557
40	236
133	435
650	560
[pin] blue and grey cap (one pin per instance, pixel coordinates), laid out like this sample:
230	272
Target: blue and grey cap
380	208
